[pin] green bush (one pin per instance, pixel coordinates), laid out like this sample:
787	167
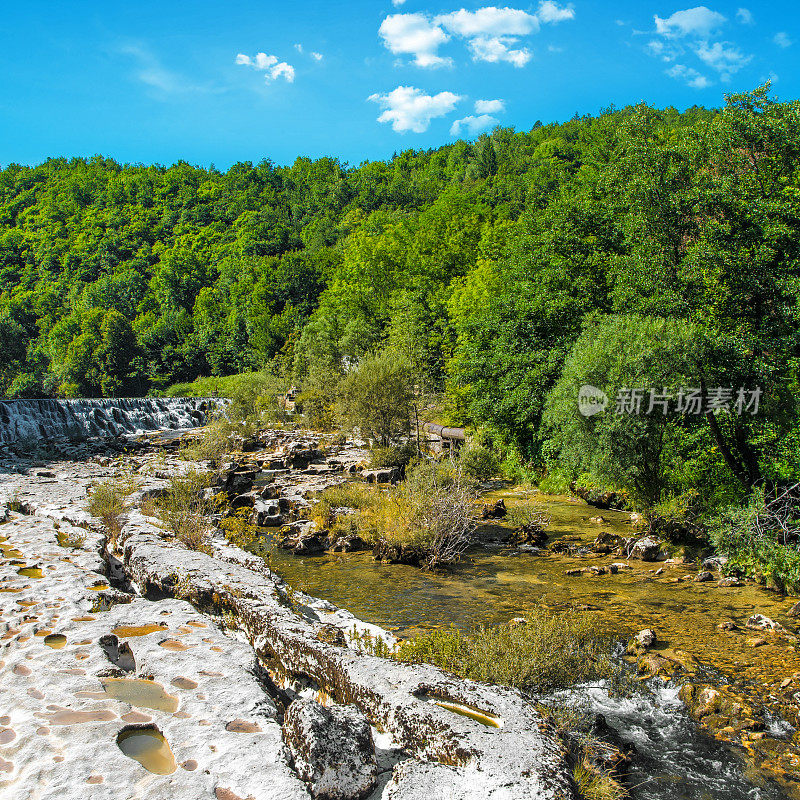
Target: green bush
479	463
397	456
761	540
424	473
551	650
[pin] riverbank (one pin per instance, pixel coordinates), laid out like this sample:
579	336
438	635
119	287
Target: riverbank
739	688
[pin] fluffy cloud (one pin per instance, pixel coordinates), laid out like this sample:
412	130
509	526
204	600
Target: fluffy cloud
489	21
690	76
415	35
489	106
473	125
270	65
700	21
550	12
491	33
695	30
408	109
496	48
316	56
782	39
723	57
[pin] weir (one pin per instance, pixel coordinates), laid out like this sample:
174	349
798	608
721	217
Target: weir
30	421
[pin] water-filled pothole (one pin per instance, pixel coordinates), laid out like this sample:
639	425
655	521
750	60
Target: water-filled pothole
149	747
483	717
31	572
55	640
129	631
141	693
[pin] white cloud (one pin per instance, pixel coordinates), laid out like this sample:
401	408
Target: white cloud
473	125
398	3
408	109
270	65
691	77
489	106
700	21
416	35
723	57
489	21
666	52
551	12
745	16
782	39
316	56
491	33
496	48
299	48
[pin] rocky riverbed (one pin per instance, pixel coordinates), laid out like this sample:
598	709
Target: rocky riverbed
169	672
137	668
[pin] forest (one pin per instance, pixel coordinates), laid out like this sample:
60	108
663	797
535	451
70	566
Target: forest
649	253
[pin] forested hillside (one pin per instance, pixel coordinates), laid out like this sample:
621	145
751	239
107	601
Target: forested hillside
510	271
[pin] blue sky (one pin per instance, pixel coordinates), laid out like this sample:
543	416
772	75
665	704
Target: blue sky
220	82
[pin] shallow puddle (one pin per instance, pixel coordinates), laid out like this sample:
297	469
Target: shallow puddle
489	720
141	693
128	631
31	572
149	747
55	640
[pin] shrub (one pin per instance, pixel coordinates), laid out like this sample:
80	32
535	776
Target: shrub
108	503
762	540
677	519
552	650
353	496
424	474
479	463
397	456
377	397
528	516
427	527
185	509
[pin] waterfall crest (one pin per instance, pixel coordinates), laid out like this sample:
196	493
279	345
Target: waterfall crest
29	421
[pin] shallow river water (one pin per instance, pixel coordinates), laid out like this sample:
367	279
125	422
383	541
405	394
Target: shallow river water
675	761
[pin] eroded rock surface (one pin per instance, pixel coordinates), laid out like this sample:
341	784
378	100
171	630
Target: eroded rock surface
211	697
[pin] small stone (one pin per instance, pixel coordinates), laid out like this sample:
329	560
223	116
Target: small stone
727	625
756	641
703	577
786	682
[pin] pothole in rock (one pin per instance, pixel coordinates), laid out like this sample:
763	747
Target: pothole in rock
31	572
148	746
475	714
141	693
55	640
129	631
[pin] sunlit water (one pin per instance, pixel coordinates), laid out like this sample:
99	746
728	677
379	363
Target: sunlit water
674	760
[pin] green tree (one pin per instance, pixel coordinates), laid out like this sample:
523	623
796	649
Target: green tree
377	397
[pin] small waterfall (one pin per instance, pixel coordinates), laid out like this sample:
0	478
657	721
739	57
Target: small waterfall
29	421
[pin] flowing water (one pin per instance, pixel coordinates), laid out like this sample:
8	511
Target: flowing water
28	421
674	761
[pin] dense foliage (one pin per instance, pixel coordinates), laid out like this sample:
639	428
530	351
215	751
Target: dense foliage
639	247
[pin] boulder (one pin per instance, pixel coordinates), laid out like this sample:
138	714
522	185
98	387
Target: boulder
390	475
530	535
703	577
332	750
606	542
646	549
349	544
496	511
758	622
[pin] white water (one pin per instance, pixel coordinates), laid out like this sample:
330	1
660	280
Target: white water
674	760
29	421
